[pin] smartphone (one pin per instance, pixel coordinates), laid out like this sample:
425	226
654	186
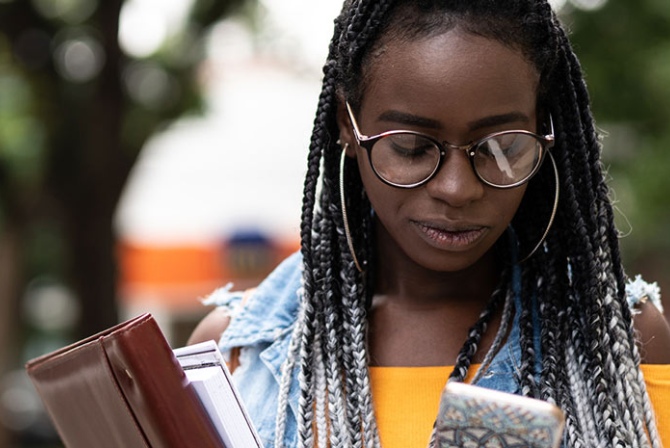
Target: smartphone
473	416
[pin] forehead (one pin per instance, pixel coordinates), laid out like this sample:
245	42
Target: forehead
457	71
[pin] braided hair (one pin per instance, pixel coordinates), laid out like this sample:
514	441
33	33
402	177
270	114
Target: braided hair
574	283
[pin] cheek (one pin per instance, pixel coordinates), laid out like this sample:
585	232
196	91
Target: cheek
374	188
508	201
384	199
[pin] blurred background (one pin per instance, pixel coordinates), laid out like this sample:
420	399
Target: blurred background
153	150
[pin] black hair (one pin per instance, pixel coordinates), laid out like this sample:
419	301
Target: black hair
575	283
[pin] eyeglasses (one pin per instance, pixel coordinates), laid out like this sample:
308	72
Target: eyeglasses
409	159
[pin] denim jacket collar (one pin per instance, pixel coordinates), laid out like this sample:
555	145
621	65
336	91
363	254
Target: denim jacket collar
272	312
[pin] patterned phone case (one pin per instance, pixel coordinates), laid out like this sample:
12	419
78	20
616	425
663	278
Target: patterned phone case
475	417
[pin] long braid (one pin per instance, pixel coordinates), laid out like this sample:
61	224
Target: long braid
332	315
333	351
312	366
286	373
475	333
555	381
574	285
568	197
628	379
580	419
552	280
624	370
527	381
505	322
585	271
361	421
605	268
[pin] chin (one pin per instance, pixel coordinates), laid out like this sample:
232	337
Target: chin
451	263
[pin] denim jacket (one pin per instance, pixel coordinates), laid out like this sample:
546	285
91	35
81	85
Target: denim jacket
263	326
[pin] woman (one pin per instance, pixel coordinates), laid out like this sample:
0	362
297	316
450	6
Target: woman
461	229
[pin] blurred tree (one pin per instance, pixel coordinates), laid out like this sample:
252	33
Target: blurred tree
624	47
74	114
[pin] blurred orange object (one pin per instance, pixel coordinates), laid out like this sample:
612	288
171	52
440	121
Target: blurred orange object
176	276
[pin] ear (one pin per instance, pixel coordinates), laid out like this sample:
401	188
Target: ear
346	131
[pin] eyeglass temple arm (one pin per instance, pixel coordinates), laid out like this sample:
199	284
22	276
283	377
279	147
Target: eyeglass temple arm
359	136
552	136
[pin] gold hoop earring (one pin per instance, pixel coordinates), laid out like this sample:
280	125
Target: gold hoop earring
553	210
343	203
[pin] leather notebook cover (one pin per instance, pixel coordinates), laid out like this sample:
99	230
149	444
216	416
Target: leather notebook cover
122	388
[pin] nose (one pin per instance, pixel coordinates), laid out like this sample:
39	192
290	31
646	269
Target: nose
456	182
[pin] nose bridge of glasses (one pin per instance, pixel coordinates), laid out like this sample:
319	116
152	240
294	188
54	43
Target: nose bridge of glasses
447	159
468	148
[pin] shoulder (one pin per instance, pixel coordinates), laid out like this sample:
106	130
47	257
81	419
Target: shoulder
211	327
651	327
255	314
653	334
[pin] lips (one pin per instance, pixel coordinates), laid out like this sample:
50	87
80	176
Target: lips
450	236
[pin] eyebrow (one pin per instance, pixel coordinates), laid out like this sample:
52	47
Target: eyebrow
497	120
395	116
408	119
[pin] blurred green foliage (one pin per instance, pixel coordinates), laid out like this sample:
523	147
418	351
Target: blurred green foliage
21	134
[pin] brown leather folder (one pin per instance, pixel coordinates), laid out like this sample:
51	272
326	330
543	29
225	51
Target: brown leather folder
122	388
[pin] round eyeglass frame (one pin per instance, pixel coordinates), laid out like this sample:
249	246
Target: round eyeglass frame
367	143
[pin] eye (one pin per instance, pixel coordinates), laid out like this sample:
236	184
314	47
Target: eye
407	146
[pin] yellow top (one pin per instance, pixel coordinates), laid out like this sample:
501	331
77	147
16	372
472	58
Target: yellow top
406	400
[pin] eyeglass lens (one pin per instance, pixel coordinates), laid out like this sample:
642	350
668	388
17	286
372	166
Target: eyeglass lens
503	159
